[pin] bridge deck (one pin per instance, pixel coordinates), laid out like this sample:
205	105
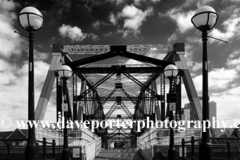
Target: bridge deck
119	155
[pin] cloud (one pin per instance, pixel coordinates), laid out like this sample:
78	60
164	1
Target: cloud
183	19
112	18
228	100
230	30
74	33
220	79
93	36
117	1
7	5
138	2
134	18
14	88
10	42
96	25
196	66
14	81
203	2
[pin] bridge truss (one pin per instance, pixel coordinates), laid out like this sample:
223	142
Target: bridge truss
103	83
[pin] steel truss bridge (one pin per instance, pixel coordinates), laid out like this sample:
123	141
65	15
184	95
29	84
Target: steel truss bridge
113	80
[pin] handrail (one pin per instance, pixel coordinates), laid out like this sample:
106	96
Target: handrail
44	144
92	149
146	149
152	135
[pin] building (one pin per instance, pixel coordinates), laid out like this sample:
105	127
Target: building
212	110
12	136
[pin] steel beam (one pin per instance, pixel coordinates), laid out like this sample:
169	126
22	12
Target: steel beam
132	99
116	69
141	84
93	87
119	50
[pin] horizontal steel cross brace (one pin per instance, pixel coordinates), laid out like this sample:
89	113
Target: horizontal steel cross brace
159	97
118	69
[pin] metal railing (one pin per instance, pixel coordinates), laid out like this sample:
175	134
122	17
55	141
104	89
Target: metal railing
146	149
5	152
192	141
44	144
78	137
92	149
16	152
232	150
161	136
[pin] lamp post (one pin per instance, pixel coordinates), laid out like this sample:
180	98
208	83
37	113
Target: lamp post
170	73
205	20
65	72
30	20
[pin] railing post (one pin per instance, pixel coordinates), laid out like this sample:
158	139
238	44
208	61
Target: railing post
37	152
183	146
8	151
228	149
192	143
80	148
53	148
44	148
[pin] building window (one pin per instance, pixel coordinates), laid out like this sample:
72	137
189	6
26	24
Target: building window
21	143
13	143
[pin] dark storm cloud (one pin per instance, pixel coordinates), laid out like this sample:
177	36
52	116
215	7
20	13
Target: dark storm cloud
75	12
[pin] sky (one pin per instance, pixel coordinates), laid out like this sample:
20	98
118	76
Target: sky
92	22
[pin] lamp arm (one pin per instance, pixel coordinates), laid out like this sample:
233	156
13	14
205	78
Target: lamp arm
21	34
217	39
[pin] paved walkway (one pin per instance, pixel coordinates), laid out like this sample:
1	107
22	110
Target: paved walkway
118	154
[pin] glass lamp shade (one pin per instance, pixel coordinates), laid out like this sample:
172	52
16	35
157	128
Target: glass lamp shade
65	72
205	18
30	19
170	71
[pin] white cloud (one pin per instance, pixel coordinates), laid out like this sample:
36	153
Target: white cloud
7	5
228	100
117	1
219	79
235	1
203	2
14	81
14	88
183	19
74	33
112	18
230	26
233	60
155	1
172	38
93	36
196	66
134	18
96	25
10	42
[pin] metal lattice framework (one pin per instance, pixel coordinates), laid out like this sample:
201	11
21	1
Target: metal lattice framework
96	78
100	49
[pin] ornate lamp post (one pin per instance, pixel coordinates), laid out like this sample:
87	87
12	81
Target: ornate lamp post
205	20
170	73
65	72
30	20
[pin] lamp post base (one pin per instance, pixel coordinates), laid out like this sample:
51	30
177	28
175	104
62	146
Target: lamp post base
30	152
205	152
171	154
65	154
